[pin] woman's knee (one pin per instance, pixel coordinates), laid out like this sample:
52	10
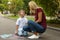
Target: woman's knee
30	22
24	28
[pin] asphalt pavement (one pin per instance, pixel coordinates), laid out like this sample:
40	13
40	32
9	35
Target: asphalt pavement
7	26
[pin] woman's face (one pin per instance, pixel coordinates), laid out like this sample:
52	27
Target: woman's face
31	9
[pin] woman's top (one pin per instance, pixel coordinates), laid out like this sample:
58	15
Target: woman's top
43	22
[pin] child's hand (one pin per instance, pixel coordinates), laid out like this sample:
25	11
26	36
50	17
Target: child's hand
16	32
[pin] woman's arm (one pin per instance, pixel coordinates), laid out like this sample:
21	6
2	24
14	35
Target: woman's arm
39	17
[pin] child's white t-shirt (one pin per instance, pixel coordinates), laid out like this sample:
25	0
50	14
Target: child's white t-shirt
22	22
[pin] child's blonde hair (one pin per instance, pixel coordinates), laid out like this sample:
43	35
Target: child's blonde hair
21	10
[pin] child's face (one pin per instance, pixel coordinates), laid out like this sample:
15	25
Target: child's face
22	13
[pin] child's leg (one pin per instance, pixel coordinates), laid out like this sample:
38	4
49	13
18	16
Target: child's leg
20	32
25	33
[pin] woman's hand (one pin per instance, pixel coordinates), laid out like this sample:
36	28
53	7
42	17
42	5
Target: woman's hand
36	21
16	33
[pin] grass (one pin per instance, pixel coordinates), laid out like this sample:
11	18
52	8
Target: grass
12	17
16	17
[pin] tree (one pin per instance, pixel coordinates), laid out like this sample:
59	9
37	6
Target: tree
16	6
3	5
26	7
1	8
0	1
20	4
49	6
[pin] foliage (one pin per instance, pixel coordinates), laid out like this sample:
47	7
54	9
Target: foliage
3	5
53	21
50	6
26	7
19	4
16	6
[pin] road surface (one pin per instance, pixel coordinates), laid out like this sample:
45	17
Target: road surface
8	26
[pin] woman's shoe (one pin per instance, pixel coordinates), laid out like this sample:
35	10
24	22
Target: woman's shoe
34	36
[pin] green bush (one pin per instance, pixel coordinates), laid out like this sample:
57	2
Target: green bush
53	21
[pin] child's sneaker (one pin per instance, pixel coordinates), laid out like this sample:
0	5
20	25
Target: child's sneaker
25	34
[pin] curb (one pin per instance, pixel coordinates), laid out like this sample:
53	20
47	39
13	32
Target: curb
53	28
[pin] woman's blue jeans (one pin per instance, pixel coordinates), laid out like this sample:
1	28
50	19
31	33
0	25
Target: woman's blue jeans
33	27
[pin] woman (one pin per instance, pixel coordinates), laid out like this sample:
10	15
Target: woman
39	26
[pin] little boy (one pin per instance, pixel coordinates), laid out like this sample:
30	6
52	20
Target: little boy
21	22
